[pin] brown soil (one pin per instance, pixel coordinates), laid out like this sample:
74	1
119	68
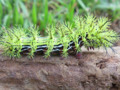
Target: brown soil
94	71
116	26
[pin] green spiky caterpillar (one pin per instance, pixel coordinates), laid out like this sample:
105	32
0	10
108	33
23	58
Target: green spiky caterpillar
63	39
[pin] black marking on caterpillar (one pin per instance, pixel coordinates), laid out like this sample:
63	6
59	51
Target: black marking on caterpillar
57	48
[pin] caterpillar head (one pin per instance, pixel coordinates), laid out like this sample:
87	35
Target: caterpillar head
95	32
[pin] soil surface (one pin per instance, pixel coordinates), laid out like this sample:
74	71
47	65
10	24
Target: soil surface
94	71
116	27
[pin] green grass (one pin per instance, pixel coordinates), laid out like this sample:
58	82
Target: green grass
112	7
40	13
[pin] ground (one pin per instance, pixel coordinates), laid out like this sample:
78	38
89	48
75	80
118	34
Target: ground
94	71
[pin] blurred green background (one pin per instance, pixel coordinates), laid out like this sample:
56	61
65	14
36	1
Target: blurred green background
26	13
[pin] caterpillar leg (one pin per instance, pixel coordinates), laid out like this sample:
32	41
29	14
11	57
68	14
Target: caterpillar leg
88	48
78	55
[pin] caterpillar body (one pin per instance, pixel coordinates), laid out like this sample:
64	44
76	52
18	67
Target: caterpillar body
62	39
57	49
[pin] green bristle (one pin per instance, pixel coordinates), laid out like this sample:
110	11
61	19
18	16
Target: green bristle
63	39
33	41
50	41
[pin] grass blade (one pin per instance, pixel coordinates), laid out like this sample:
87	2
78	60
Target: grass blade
1	13
34	13
80	2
